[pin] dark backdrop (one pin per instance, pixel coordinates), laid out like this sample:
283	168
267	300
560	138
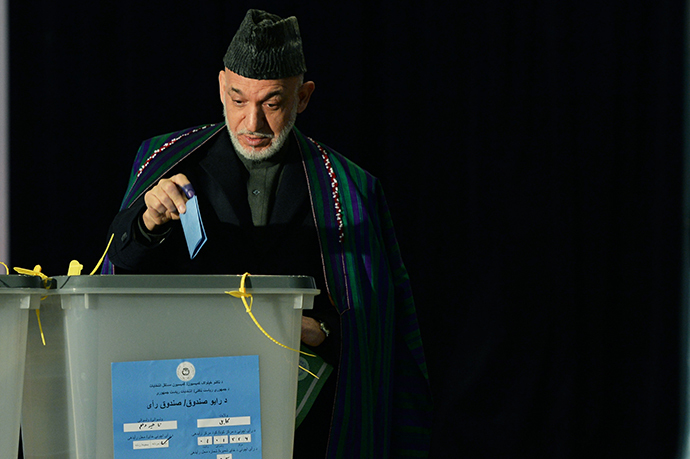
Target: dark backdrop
531	153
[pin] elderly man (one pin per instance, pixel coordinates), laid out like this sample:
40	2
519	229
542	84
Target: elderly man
274	201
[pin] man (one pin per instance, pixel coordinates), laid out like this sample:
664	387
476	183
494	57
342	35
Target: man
276	202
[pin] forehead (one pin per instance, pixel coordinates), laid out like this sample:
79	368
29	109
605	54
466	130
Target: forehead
252	88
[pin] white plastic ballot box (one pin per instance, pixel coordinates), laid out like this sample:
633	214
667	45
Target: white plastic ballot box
18	294
128	318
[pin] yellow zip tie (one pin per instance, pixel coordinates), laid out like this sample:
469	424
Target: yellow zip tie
40	327
103	257
6	268
33	272
74	268
242	294
36	272
302	368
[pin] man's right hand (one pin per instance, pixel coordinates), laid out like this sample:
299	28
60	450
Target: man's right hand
165	202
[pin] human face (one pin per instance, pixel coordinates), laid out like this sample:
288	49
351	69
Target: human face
260	113
276	144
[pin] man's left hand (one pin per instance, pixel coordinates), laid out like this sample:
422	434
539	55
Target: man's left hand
312	335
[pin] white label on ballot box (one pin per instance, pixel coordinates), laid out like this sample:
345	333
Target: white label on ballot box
206	408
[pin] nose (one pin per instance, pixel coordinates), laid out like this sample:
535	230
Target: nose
256	119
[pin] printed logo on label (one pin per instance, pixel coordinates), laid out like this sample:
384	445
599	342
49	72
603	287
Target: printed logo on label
185	371
304	365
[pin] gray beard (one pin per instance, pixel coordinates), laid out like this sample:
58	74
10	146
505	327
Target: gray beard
277	142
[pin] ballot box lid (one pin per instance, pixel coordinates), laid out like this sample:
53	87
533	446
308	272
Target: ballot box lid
193	284
20	281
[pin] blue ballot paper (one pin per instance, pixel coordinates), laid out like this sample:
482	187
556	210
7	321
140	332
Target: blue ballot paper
193	227
206	407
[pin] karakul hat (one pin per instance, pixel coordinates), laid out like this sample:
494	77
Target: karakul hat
266	47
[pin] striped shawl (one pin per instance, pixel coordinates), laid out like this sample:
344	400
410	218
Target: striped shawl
383	402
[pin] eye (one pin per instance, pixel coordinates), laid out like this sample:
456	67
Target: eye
273	104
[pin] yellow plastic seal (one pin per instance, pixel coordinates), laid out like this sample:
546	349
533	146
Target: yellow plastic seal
242	294
36	272
98	265
74	268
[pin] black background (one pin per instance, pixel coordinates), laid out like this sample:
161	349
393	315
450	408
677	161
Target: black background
531	153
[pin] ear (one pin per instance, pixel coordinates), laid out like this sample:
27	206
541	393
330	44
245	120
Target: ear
304	93
221	85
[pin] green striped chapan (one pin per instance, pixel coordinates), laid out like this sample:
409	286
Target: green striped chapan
383	402
383	398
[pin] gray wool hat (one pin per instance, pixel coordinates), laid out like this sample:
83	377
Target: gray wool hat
266	47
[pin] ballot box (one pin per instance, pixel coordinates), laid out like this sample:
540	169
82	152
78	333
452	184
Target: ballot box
168	366
18	294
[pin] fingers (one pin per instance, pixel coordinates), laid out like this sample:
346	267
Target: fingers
311	332
165	201
181	181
